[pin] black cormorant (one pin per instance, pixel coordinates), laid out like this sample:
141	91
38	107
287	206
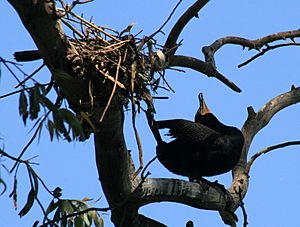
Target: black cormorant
205	147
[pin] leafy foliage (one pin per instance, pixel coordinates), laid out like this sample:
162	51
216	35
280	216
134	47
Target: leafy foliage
63	123
75	213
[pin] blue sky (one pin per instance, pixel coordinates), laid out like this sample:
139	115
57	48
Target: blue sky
271	199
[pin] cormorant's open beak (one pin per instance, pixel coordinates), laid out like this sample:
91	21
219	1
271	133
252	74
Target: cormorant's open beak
203	107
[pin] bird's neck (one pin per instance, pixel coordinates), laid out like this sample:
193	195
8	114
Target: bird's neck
209	120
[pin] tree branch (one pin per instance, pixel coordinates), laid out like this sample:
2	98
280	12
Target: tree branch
199	195
268	48
181	23
267	150
209	51
58	53
200	66
254	123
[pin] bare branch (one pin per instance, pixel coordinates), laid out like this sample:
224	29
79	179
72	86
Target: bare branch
242	205
38	128
169	17
263	51
254	123
257	44
201	66
257	121
182	22
267	150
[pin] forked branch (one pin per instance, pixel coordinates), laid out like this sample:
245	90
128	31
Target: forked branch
255	123
267	150
257	44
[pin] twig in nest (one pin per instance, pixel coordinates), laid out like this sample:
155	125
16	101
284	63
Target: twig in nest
110	77
268	149
113	90
72	28
95	27
133	112
91	93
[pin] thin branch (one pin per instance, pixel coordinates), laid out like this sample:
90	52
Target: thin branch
30	76
201	66
267	150
242	205
257	44
266	50
9	69
30	141
182	22
163	25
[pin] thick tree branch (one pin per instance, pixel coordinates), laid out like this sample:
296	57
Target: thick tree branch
198	195
60	56
181	23
200	66
254	123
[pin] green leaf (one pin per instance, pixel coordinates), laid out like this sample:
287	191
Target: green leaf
66	205
34	99
52	206
29	203
86	117
101	222
14	193
57	118
59	125
79	221
96	218
35	179
63	222
51	127
23	105
35	224
86	219
74	123
57	214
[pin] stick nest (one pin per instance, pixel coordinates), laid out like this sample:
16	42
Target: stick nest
117	62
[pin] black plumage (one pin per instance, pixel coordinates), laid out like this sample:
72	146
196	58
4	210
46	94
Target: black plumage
205	147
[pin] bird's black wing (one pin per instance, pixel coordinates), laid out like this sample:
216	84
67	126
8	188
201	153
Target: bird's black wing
185	129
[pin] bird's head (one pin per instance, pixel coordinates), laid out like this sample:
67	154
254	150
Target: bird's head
202	110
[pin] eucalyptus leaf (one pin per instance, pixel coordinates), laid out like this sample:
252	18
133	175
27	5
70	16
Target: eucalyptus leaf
34	99
74	123
29	203
23	107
